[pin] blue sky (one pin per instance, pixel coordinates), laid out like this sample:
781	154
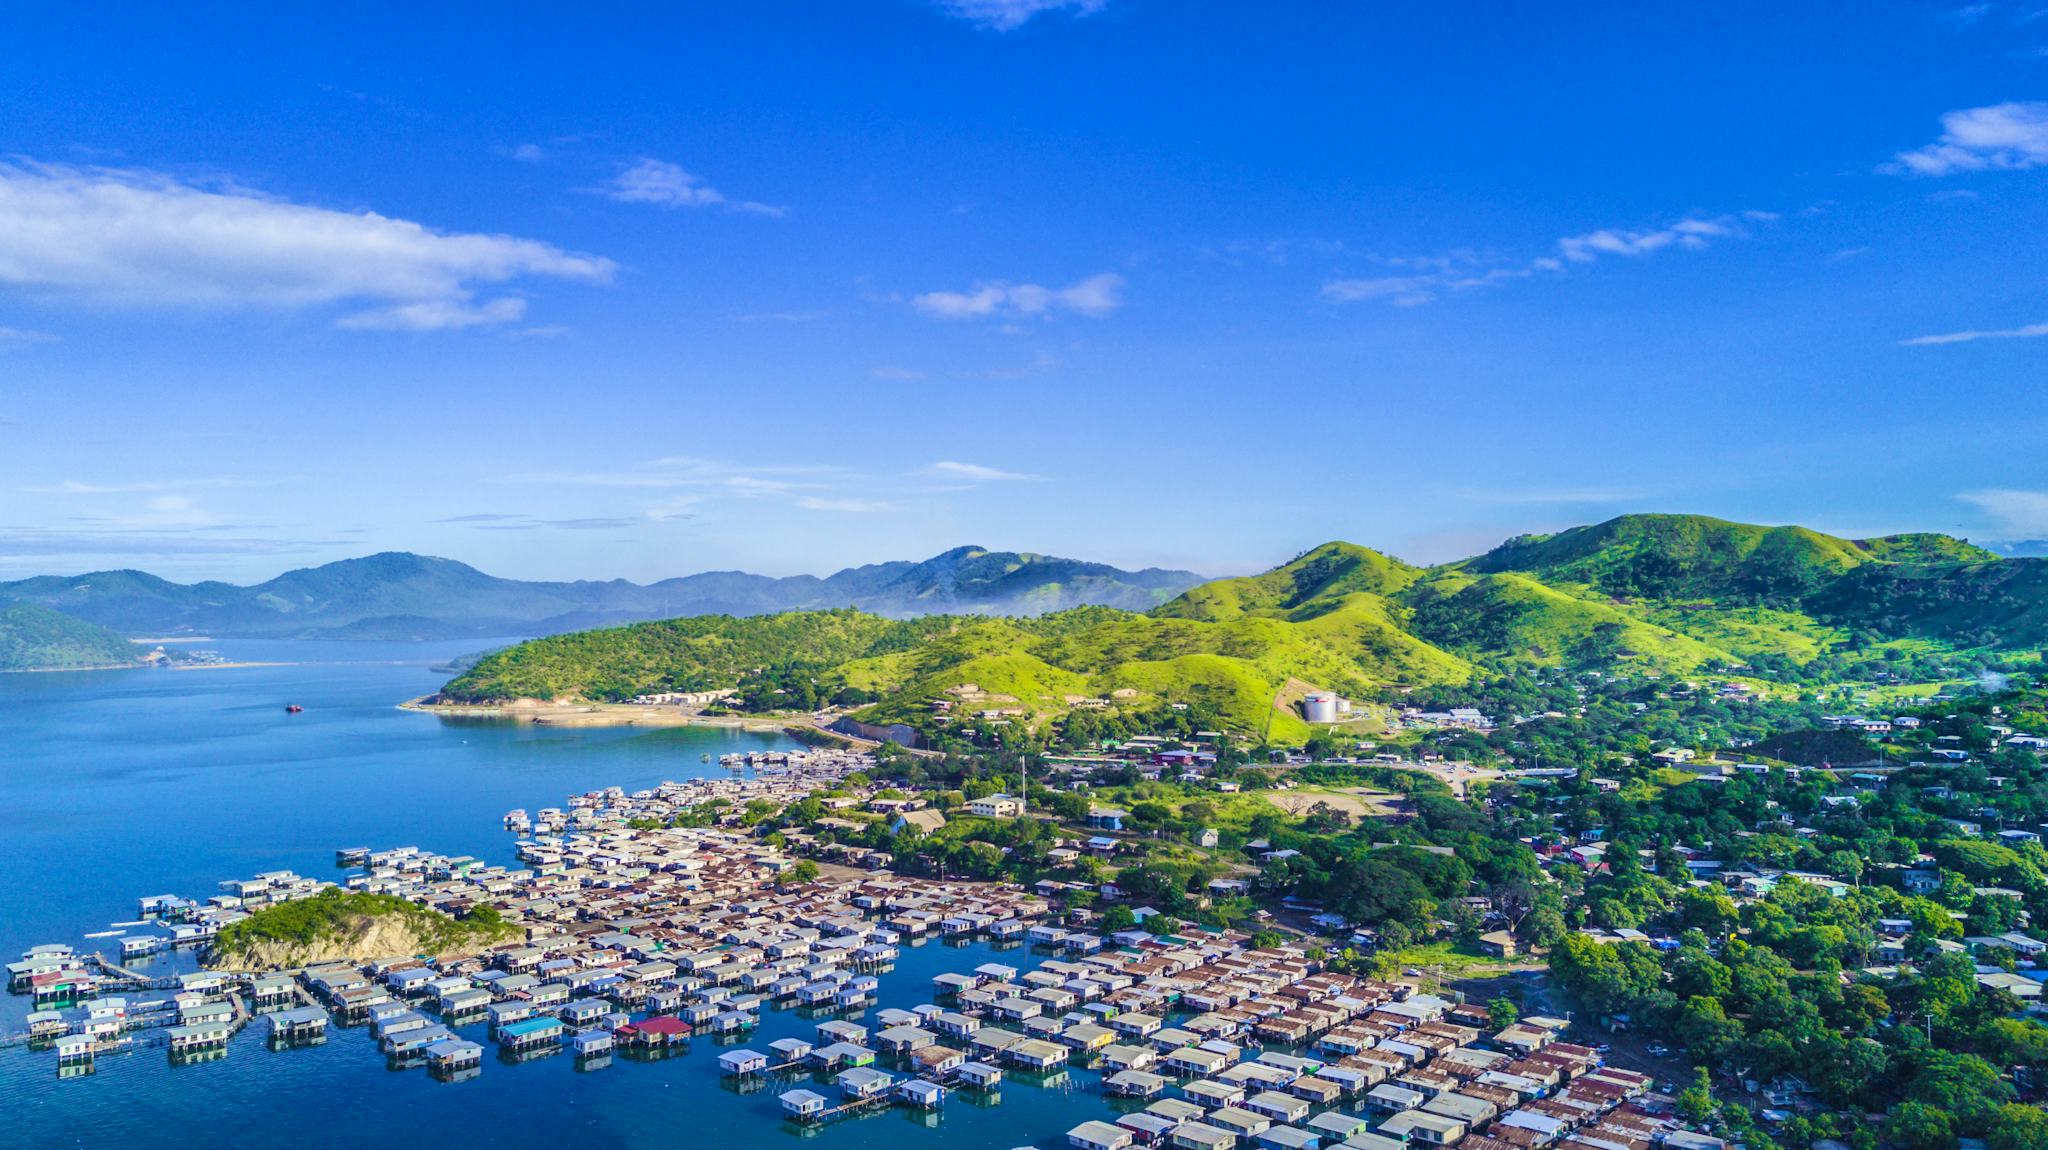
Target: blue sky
791	286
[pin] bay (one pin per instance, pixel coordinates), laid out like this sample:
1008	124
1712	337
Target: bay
115	785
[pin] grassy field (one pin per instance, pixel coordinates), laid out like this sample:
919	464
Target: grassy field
1455	962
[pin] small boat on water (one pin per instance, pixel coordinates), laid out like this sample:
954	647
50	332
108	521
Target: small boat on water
292	708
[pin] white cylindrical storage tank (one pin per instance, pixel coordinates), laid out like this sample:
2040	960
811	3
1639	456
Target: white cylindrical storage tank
1319	708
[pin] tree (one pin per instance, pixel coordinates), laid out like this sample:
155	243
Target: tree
1960	1084
1696	1101
1070	807
1513	900
1322	818
1546	926
1705	1029
1606	978
2018	1127
804	871
1503	1012
1706	909
1918	1126
1118	918
1846	865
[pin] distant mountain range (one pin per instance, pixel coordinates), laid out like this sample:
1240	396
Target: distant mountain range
397	595
1663	593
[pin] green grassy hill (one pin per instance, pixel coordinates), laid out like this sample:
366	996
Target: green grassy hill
1036	665
34	638
1669	593
1681	556
1516	619
1326	574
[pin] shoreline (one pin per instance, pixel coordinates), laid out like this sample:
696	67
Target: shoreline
139	667
599	715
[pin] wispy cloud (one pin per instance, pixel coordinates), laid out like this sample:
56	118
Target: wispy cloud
2030	331
682	471
1411	281
133	237
1009	15
675	508
492	521
956	471
146	486
2019	511
437	315
848	506
2008	136
684	487
1098	295
1553	495
658	182
21	337
146	544
1401	291
755	485
1692	232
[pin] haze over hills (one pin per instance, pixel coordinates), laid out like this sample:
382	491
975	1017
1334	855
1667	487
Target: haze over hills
1669	593
396	595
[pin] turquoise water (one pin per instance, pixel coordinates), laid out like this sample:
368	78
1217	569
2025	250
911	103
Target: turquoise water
115	785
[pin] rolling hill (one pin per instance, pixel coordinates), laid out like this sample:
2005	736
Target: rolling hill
1670	593
397	595
34	638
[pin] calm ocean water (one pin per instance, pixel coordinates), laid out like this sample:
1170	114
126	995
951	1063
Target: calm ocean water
115	785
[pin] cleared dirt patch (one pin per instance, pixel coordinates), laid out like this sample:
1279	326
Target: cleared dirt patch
1358	802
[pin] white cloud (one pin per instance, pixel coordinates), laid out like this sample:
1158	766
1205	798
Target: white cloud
755	485
2030	331
133	237
1098	295
21	337
1423	279
667	185
973	473
2018	511
528	154
1009	15
849	506
2007	136
437	315
1691	233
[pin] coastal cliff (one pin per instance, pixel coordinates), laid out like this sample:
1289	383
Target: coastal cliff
339	926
